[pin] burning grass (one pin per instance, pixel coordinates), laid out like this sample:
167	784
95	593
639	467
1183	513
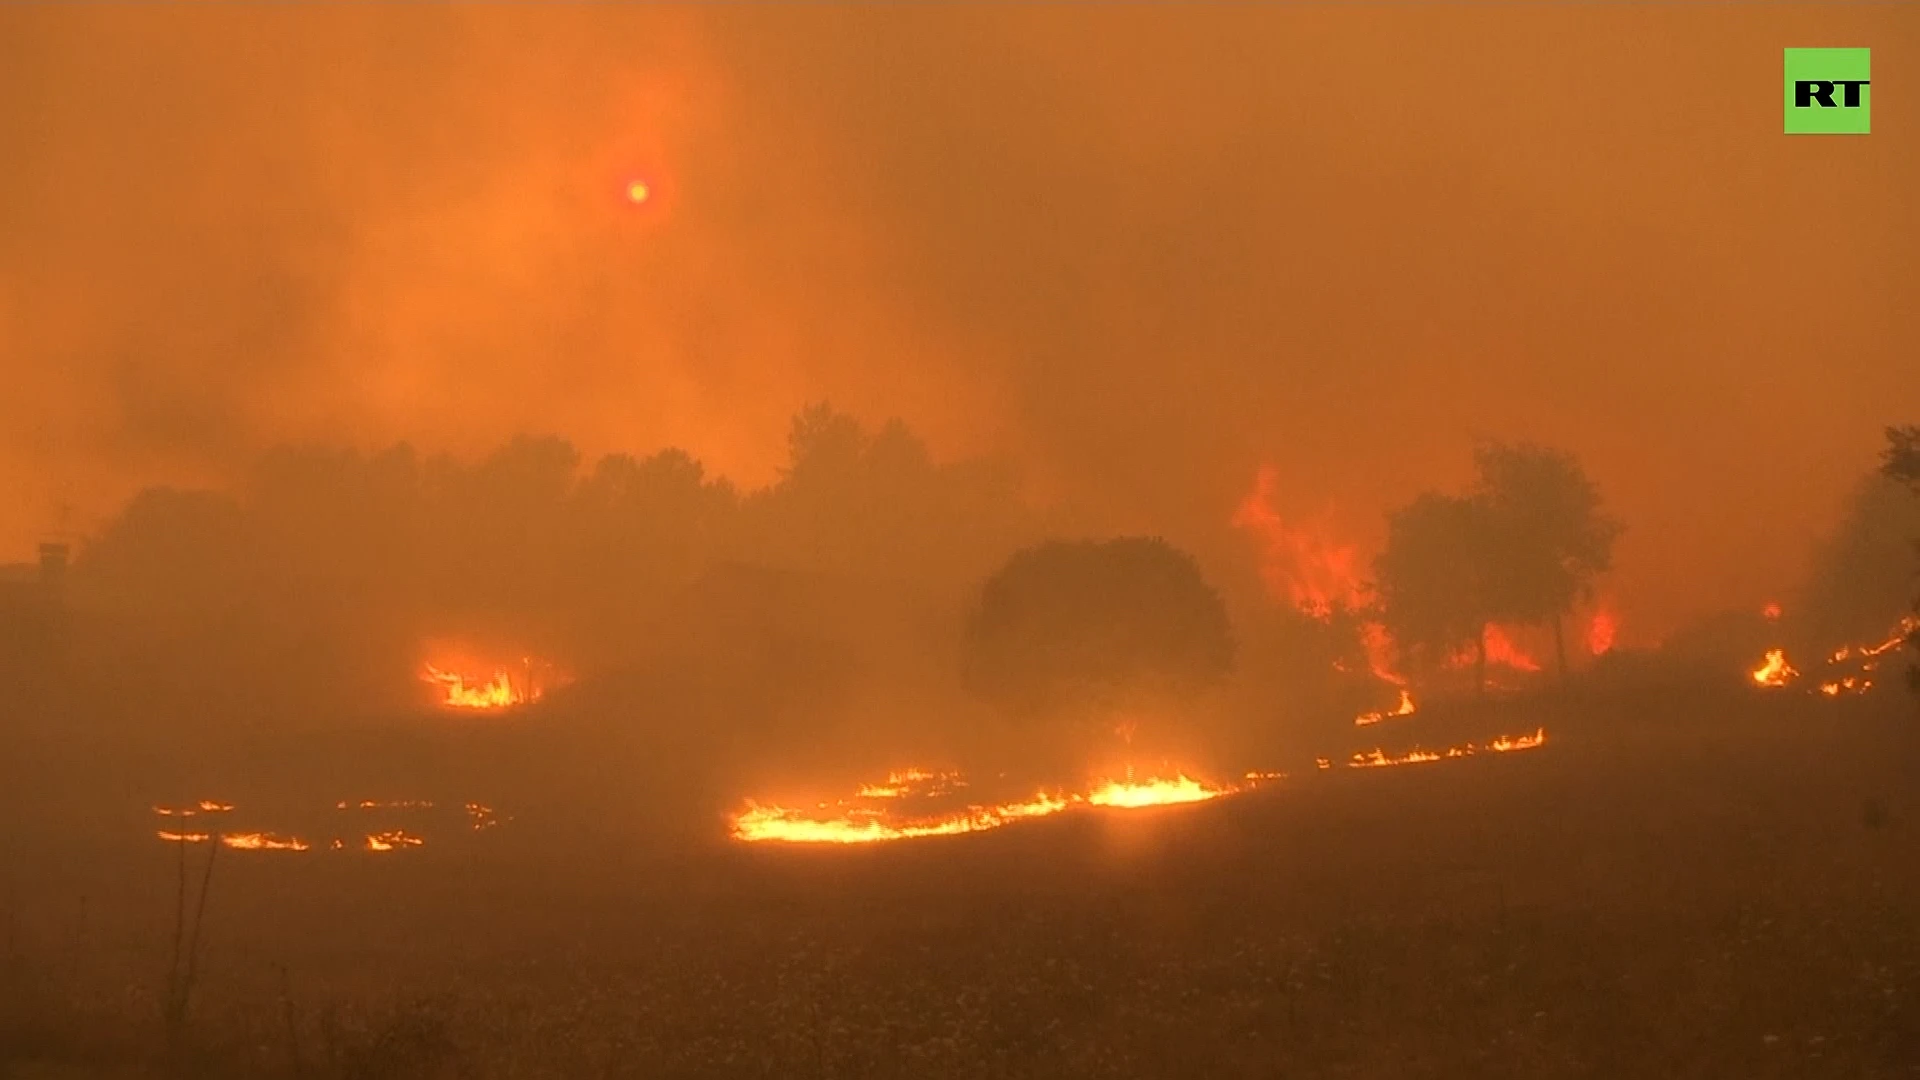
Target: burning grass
478	816
906	805
1849	667
462	683
1405	708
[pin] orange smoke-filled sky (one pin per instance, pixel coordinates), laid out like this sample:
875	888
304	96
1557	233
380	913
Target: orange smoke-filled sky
1142	250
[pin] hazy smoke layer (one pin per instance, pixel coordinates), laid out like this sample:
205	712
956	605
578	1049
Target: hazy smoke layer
1143	251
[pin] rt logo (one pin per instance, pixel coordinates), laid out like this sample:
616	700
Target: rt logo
1828	92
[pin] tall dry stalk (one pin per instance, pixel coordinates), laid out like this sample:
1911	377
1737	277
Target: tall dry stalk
180	974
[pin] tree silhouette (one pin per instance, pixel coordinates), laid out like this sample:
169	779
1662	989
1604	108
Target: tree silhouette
875	504
1090	625
1433	579
1548	535
319	579
1863	571
1900	461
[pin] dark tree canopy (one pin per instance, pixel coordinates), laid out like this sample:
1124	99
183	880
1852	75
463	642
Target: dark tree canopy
1863	573
1522	546
1090	622
349	562
1432	578
1549	535
1901	462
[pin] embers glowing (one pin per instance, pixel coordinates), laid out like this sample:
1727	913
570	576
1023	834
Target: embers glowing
204	806
481	817
362	837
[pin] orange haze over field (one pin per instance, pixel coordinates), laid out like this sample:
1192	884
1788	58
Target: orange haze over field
1122	247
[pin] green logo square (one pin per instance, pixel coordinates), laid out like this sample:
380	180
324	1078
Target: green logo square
1828	92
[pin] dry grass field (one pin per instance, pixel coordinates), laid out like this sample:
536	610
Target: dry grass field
1680	884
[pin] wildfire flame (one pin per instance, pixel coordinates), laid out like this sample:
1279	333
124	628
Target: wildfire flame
1131	794
913	781
850	822
1502	651
479	817
859	826
1303	567
1601	632
1310	572
1774	670
253	841
204	806
1908	626
393	840
1499	744
846	823
1405	708
497	692
1770	612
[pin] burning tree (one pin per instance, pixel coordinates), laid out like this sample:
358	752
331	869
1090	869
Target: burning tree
1092	626
1901	462
1549	536
1522	547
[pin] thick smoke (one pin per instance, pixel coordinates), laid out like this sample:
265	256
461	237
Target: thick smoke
1142	252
